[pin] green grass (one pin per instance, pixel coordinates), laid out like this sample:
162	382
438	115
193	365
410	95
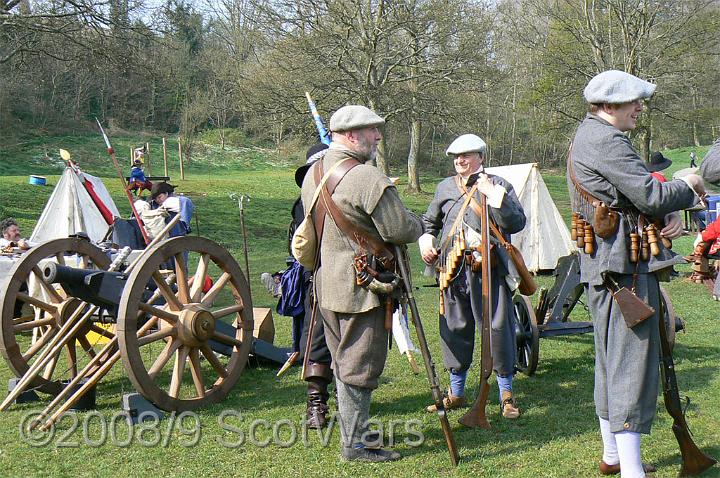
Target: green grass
557	435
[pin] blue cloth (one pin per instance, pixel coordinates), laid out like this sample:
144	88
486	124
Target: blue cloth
137	174
504	384
457	383
291	300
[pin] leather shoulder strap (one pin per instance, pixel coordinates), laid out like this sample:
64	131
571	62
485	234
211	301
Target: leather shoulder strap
571	172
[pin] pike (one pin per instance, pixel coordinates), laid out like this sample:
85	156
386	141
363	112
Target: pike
324	135
437	394
111	152
241	198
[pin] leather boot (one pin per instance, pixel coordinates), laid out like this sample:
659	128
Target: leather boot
318	377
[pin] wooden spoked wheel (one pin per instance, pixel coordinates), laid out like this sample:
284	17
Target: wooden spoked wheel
527	335
167	349
33	312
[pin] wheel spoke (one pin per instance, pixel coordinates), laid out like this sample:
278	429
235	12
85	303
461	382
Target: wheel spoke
72	358
210	356
233	309
176	381
87	347
37	302
24	319
163	358
199	277
50	367
40	343
157	312
226	339
158	335
60	258
196	372
101	331
23	326
166	292
215	289
182	278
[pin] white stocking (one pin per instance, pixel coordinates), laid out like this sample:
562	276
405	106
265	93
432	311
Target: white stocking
628	445
610	451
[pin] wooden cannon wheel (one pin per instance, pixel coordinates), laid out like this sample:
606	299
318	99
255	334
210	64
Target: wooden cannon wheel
527	335
29	323
172	364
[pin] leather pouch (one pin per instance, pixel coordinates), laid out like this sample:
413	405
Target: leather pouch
605	222
634	310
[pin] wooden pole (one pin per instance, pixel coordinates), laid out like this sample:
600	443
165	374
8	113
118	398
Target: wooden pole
165	155
182	169
147	159
132	156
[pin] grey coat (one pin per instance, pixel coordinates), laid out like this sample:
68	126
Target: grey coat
369	199
608	167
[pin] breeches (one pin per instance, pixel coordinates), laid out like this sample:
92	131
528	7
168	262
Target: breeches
626	360
463	313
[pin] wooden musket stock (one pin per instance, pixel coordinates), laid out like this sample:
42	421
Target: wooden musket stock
694	461
437	394
476	417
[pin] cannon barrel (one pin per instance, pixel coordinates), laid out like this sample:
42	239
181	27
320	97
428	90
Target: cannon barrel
97	287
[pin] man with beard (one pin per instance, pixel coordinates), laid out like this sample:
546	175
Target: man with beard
353	316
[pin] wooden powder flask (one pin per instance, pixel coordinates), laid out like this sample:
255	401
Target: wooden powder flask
666	242
581	234
653	239
589	239
634	246
573	227
644	247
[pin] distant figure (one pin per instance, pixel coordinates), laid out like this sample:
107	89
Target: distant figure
658	162
11	236
693	160
138	182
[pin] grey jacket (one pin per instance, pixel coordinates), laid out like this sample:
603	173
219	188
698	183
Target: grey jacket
369	199
448	200
710	167
607	166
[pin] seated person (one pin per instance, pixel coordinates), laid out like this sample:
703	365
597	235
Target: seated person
11	236
164	205
138	182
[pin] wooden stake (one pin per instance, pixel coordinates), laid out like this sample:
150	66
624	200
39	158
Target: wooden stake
182	170
147	159
165	155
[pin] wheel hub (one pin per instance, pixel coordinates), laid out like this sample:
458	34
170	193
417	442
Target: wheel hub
196	325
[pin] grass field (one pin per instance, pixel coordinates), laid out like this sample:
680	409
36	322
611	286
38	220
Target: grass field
556	436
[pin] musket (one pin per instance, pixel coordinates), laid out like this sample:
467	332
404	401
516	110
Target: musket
111	152
694	461
475	417
437	394
324	135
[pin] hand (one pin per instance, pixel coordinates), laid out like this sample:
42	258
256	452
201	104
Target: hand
673	226
696	183
484	184
427	249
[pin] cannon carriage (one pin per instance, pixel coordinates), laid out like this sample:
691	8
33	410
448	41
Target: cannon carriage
180	320
551	316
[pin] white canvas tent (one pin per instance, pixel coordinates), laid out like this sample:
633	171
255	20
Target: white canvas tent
70	209
545	238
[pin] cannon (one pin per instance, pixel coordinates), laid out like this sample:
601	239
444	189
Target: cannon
180	315
551	316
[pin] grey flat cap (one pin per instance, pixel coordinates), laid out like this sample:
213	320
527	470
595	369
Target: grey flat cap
466	143
614	87
354	117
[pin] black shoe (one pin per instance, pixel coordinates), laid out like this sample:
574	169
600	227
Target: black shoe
370	455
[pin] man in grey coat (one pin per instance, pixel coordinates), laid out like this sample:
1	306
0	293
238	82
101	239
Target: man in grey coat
605	165
353	316
462	298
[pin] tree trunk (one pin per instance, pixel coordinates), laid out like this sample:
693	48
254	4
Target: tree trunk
413	176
